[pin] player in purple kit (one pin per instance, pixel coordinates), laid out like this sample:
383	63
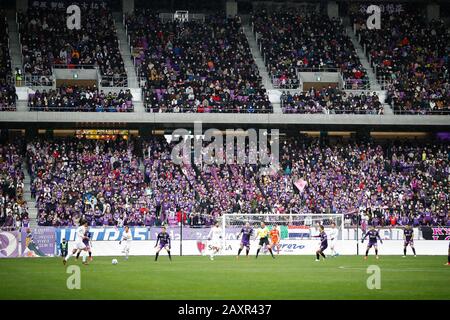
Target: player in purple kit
409	235
323	243
88	244
373	237
164	242
448	258
246	232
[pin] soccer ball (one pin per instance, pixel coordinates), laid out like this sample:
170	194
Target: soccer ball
114	261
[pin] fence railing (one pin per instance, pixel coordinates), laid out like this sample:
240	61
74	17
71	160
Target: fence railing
150	109
288	83
35	81
73	66
422	112
114	81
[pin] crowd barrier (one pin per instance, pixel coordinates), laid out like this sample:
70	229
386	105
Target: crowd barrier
44	241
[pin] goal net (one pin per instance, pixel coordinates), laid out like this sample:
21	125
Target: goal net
297	231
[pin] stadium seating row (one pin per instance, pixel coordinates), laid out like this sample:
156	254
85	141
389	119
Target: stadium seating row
394	183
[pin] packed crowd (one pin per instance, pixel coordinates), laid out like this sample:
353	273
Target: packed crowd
331	101
412	55
196	66
7	89
402	182
80	99
47	42
13	207
137	183
293	41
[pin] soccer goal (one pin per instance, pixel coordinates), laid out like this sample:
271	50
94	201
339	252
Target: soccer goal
295	230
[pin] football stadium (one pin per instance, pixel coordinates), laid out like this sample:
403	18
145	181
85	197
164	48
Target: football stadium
224	150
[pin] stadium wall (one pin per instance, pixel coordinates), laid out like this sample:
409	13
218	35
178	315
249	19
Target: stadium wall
44	241
288	247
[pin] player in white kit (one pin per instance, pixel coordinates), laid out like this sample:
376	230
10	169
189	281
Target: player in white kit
79	245
333	236
126	238
215	236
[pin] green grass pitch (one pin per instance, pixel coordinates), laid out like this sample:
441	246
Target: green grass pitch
286	277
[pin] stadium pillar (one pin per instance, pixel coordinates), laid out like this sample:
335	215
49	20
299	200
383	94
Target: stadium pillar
127	6
433	11
49	134
21	5
362	134
31	132
145	132
332	9
4	135
323	137
231	8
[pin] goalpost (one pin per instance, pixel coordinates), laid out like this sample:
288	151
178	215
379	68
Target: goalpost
293	228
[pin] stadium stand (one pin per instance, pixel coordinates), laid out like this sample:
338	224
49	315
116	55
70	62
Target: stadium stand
394	183
331	101
80	99
7	89
196	66
13	208
47	43
412	55
293	41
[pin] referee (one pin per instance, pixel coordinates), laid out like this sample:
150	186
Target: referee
263	235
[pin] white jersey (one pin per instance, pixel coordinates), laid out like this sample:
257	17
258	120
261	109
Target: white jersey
127	237
81	233
333	234
215	234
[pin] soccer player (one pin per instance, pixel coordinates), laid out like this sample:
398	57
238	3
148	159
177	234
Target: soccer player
79	243
246	232
263	235
126	237
448	258
275	238
215	236
164	242
373	236
323	243
408	233
88	244
334	234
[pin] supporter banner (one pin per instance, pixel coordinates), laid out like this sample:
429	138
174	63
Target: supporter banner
9	244
38	242
142	233
301	184
63	4
385	233
436	233
287	247
103	233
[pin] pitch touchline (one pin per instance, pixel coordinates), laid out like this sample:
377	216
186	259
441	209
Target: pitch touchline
395	270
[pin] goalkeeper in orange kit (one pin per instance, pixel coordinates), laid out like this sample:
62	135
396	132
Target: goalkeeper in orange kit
275	238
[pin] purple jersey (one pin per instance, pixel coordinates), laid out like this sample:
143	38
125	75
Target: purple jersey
86	240
163	239
408	234
246	234
323	240
373	236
